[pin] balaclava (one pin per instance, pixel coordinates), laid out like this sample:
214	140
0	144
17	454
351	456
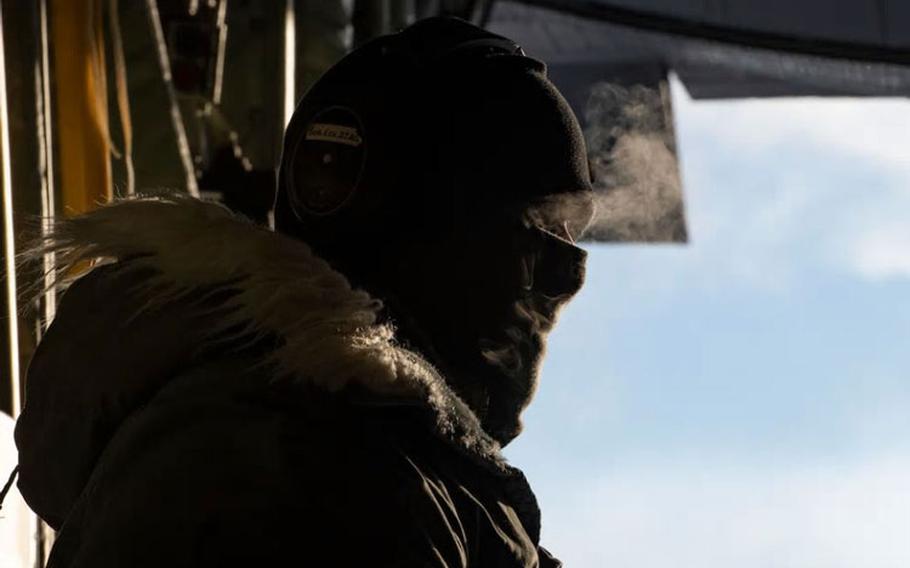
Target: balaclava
414	131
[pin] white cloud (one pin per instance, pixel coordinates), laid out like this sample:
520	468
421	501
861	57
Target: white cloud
873	129
707	515
881	253
747	224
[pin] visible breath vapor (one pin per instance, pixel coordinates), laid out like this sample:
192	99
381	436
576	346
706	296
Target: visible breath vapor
633	159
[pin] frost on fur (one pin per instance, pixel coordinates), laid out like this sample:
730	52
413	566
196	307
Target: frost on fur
276	284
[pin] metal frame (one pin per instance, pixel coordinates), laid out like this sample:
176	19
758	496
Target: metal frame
656	22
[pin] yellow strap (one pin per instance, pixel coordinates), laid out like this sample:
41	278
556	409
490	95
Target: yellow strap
81	92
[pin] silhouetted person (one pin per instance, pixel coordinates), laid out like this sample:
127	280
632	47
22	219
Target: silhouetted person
334	393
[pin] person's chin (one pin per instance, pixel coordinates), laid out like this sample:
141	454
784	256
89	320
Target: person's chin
504	434
508	423
514	369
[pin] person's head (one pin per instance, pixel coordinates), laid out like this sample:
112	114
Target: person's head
442	172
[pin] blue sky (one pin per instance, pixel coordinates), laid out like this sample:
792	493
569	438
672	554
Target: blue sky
743	400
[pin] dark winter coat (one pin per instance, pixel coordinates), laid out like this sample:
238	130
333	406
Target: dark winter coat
220	397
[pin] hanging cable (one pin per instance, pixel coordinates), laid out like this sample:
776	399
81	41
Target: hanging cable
9	249
183	146
290	61
123	97
46	164
98	69
42	532
9	484
221	27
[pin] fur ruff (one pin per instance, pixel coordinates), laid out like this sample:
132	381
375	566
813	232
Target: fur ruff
331	334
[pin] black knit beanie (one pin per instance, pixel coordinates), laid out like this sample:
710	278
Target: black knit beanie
443	123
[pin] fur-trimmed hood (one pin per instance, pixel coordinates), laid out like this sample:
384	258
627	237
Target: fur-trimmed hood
105	356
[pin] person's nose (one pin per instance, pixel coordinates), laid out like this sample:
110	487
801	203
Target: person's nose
560	268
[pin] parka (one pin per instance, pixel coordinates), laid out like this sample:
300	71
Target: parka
212	393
